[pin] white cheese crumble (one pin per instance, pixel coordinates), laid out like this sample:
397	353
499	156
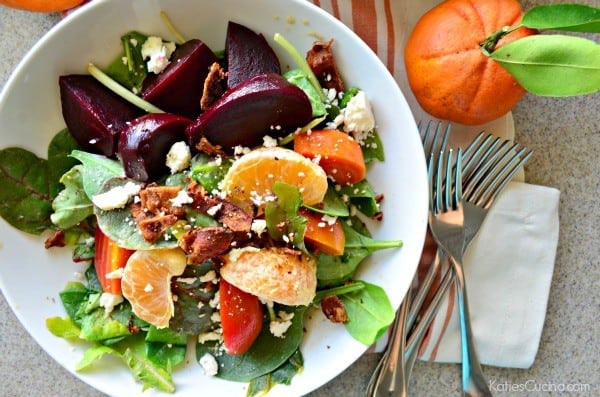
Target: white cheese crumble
115	274
209	364
209	277
181	199
108	301
117	197
281	324
148	288
158	53
258	226
358	117
179	157
269	141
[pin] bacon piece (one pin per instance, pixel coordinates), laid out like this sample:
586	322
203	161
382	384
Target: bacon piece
214	86
157	200
205	146
205	243
56	240
334	309
320	59
154	227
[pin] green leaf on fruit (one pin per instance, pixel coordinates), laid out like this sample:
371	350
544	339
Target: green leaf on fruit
569	17
552	65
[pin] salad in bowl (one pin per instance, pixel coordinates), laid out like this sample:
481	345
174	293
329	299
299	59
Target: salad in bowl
225	203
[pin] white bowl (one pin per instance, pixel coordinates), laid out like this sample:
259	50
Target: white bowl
30	114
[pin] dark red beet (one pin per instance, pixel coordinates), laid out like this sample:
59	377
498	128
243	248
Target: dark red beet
178	88
263	105
93	114
248	55
145	142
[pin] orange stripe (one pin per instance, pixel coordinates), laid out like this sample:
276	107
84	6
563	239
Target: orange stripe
391	36
335	8
364	21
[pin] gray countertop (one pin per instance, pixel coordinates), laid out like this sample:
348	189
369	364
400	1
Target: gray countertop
565	137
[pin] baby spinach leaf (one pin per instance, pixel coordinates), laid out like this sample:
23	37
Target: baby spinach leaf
282	216
356	240
282	375
165	335
59	156
369	311
97	169
372	148
332	204
298	78
361	194
73	297
552	65
208	172
165	355
72	205
193	312
336	270
266	354
569	17
129	68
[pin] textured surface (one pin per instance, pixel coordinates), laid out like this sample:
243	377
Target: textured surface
565	136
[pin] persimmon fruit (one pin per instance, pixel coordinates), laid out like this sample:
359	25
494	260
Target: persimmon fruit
42	5
450	76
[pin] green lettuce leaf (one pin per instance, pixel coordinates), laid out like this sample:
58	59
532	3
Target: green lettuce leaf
72	205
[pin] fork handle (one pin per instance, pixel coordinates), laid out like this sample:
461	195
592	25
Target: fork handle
473	381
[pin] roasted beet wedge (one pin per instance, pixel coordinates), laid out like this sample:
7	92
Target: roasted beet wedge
145	142
93	114
263	105
248	55
178	88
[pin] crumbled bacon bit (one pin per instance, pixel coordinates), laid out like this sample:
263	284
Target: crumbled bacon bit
214	86
320	59
153	228
334	309
205	243
205	146
378	216
56	240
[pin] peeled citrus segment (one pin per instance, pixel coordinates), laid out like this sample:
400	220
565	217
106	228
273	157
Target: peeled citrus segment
146	283
251	177
273	274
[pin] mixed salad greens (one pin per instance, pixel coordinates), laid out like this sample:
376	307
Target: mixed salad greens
123	196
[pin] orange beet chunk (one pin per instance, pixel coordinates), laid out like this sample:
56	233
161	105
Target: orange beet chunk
338	154
322	236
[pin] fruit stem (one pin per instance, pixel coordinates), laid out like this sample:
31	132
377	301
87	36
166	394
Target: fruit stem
489	45
167	21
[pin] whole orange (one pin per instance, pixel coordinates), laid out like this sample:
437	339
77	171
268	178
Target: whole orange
42	5
448	73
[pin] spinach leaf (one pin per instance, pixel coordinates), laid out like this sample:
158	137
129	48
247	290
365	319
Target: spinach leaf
59	157
73	297
97	169
165	355
332	204
283	221
120	227
165	335
361	194
129	68
369	311
208	171
298	78
266	354
282	375
72	205
372	148
354	239
193	312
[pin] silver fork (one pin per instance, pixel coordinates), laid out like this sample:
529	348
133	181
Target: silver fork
446	220
392	371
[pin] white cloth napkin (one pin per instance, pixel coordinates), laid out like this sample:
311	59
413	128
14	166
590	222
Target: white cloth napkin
508	271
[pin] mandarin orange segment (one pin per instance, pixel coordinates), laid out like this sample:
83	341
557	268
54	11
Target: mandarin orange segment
251	177
146	283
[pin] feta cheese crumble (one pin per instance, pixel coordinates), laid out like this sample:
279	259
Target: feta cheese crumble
358	117
179	157
108	301
158	53
117	197
209	364
279	326
181	199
